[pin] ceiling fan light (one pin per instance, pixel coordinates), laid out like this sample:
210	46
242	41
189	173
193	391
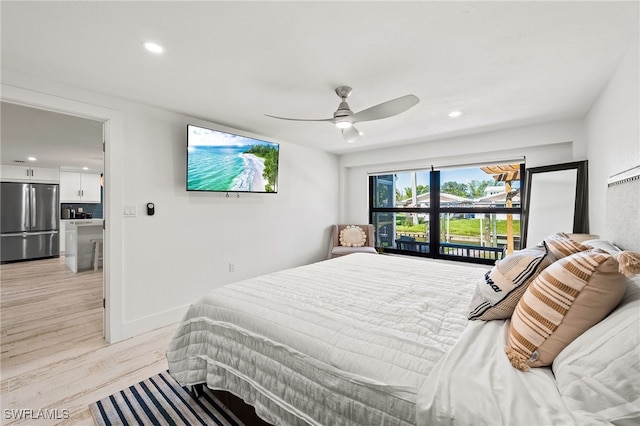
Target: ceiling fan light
343	124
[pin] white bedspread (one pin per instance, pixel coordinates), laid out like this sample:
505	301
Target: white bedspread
345	341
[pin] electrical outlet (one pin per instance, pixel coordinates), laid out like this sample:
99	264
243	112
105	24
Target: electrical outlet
232	267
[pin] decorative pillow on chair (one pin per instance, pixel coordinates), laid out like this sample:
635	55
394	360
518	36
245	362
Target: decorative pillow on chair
352	236
561	245
564	301
499	291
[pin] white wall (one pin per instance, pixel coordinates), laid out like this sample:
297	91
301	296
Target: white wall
157	265
545	144
196	235
613	130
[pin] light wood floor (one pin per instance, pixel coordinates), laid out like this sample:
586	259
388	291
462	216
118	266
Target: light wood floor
53	355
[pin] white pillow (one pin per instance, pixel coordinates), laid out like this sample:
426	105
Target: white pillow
352	236
597	374
605	245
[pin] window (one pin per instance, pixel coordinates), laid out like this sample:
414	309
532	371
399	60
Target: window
471	214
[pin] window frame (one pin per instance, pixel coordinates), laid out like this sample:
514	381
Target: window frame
435	210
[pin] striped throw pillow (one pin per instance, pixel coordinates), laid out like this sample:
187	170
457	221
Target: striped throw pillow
500	289
561	245
564	301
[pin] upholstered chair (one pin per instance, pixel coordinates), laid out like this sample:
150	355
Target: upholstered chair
347	239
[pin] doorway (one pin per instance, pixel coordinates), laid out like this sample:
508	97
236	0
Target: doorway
46	139
114	152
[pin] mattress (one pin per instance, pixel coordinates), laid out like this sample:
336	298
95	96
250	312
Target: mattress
345	341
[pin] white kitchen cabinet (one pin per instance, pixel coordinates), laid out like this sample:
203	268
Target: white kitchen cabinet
29	174
79	187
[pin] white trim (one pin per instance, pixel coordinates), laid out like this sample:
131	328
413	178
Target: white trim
150	322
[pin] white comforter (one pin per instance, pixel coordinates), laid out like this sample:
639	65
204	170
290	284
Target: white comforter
345	341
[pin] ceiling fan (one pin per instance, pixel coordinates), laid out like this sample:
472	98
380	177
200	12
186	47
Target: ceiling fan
344	118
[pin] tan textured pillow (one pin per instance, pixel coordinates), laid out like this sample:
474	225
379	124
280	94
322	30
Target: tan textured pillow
564	301
500	289
581	238
352	236
561	245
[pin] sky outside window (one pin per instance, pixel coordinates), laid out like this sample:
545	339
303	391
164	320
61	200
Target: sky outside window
451	175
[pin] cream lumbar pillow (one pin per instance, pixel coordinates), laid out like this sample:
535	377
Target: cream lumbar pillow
352	236
564	301
499	290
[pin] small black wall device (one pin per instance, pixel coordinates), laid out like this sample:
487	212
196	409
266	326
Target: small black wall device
151	209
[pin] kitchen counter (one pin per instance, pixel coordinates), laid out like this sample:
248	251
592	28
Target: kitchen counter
78	247
83	221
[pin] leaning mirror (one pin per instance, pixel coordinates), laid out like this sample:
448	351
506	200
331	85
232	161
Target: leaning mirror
556	201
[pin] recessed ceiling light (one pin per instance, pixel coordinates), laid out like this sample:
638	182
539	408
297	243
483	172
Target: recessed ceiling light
454	114
85	168
31	158
153	47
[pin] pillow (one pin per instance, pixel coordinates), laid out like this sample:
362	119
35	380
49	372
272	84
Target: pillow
352	236
564	301
581	238
499	291
605	245
597	374
561	245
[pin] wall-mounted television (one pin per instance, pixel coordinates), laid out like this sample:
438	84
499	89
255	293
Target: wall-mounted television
227	162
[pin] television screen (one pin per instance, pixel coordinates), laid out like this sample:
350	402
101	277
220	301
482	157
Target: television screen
226	162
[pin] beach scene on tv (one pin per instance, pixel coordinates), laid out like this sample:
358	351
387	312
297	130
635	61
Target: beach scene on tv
218	161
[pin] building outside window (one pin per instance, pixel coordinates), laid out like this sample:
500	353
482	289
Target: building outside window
465	213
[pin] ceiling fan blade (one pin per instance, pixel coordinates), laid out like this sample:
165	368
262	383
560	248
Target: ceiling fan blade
386	109
300	119
350	134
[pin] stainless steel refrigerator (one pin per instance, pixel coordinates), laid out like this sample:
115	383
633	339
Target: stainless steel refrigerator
29	221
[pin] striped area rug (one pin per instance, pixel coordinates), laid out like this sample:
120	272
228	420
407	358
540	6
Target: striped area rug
160	400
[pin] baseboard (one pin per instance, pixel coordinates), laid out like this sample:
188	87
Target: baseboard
151	322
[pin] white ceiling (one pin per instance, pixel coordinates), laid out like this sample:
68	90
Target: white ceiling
502	64
53	139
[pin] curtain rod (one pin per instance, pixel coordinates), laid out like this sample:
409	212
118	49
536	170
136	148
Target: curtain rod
441	167
624	176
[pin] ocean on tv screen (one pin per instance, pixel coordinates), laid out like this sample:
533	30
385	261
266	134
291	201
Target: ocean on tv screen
242	168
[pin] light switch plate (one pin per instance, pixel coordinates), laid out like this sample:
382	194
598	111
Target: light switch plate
129	211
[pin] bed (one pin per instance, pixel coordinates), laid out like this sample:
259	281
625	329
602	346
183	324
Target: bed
369	339
344	341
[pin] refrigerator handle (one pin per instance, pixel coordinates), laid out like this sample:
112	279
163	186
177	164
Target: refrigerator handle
33	206
26	207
